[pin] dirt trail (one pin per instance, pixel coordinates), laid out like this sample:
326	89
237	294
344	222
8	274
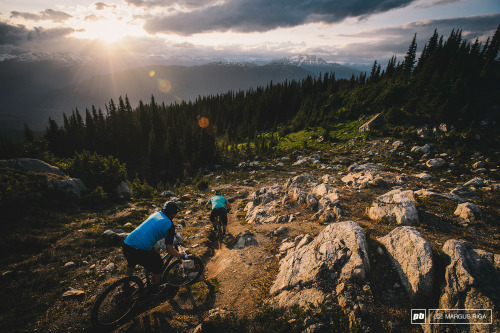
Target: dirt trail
239	270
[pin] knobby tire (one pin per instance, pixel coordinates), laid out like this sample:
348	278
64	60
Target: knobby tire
116	302
183	272
219	232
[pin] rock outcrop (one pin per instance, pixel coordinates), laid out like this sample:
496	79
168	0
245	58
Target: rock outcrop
33	165
471	282
411	256
395	206
337	255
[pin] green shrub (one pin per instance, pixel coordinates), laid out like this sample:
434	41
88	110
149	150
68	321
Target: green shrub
97	195
141	189
96	170
200	182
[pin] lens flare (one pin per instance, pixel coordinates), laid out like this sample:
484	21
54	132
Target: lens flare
164	85
152	73
203	122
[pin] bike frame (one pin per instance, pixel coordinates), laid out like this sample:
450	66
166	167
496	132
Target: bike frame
167	258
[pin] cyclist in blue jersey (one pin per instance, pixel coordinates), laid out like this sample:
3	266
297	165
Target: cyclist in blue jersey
220	206
138	246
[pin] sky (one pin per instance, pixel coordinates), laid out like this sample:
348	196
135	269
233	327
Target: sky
346	32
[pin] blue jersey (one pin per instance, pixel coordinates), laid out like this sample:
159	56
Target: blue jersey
156	227
217	201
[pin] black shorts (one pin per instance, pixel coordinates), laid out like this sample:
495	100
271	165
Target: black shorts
150	260
222	212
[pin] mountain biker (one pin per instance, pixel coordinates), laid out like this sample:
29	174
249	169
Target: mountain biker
138	246
220	206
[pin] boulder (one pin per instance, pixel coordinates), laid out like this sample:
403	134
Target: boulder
366	167
424	176
411	256
122	191
471	282
478	182
395	206
362	179
429	193
373	123
337	254
245	239
435	163
69	187
425	149
29	164
300	180
468	211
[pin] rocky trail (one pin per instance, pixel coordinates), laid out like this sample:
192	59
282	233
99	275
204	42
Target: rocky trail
364	235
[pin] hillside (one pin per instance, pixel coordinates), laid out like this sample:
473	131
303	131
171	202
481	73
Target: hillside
281	208
34	87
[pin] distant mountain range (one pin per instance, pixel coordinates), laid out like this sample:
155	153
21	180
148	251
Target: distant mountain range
36	86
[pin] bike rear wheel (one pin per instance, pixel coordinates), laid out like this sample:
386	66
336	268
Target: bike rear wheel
116	302
220	234
183	272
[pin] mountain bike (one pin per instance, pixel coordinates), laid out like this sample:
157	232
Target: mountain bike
220	229
219	232
115	304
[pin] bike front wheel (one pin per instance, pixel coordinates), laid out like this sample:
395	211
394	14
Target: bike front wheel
183	272
116	302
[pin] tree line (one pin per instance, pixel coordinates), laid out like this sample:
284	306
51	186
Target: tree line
453	81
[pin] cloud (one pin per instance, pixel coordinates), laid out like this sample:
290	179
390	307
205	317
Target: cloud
92	18
11	34
46	15
263	15
435	3
188	4
396	40
20	35
102	6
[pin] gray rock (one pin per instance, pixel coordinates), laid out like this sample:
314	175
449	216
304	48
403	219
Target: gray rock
29	164
425	149
395	206
435	163
471	282
468	211
340	248
69	187
463	192
245	239
411	256
366	167
122	191
424	176
478	182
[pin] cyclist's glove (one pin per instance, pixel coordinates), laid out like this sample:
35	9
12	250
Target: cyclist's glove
184	256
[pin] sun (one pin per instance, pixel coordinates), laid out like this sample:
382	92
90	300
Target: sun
109	30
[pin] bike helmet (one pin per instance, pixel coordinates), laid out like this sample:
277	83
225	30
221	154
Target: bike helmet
170	207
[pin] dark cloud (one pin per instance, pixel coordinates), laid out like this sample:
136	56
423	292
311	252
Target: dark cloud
396	40
46	15
263	15
12	34
19	35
